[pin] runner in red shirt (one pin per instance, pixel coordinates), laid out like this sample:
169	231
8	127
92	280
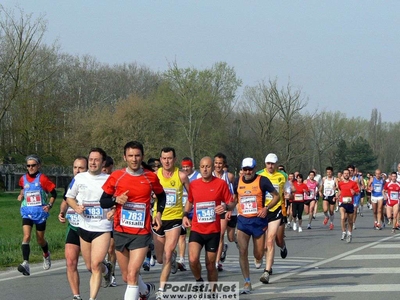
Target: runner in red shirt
206	195
391	192
129	190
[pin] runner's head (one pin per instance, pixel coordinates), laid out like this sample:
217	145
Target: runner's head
97	159
168	158
270	162
133	155
206	167
80	165
378	173
393	176
329	171
248	167
299	178
154	164
187	165
311	174
346	174
108	166
33	163
219	162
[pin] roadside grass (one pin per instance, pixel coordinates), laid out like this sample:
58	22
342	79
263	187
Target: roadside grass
11	233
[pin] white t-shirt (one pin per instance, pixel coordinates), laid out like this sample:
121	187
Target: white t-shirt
86	189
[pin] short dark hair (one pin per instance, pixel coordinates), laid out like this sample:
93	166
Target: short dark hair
109	161
152	160
350	167
329	169
281	168
311	172
168	149
221	155
134	145
99	150
81	157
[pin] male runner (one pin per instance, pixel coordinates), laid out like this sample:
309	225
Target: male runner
35	210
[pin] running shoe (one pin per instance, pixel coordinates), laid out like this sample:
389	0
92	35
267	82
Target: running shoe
300	229
349	238
159	295
174	265
294	226
288	225
309	226
24	268
113	282
146	265
375	224
343	236
46	261
361	214
77	298
326	220
284	252
393	230
337	208
246	288
368	205
153	261
389	221
150	288
223	253
107	276
378	226
219	267
258	263
331	226
182	266
354	226
265	277
313	216
270	272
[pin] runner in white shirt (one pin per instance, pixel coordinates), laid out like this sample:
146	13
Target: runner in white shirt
94	230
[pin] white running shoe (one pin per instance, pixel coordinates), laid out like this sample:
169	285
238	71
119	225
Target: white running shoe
294	226
24	268
47	261
300	229
343	236
349	238
258	263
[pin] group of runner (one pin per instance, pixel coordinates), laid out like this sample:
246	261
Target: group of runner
141	213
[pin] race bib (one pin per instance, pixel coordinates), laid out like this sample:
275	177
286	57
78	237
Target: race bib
268	196
184	199
93	211
33	199
205	212
133	215
394	195
377	187
171	197
298	197
346	200
248	205
328	192
73	217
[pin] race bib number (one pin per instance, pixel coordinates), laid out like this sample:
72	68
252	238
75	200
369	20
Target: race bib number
171	197
377	187
394	195
328	192
133	215
184	199
298	197
248	205
205	212
268	196
73	217
93	211
346	200
33	199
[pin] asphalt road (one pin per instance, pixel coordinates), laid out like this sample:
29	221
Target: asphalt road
319	266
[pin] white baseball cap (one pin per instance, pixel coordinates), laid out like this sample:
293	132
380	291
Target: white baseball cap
249	163
271	158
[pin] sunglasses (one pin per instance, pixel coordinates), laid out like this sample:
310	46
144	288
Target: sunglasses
33	165
248	169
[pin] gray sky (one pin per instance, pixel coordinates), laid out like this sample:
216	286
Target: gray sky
343	55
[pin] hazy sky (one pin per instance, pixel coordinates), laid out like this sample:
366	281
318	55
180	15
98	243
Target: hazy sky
343	55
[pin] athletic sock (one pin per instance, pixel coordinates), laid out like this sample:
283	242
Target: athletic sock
331	218
142	285
326	214
26	250
131	292
45	249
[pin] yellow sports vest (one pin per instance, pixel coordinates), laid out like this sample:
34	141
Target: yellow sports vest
173	187
278	180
